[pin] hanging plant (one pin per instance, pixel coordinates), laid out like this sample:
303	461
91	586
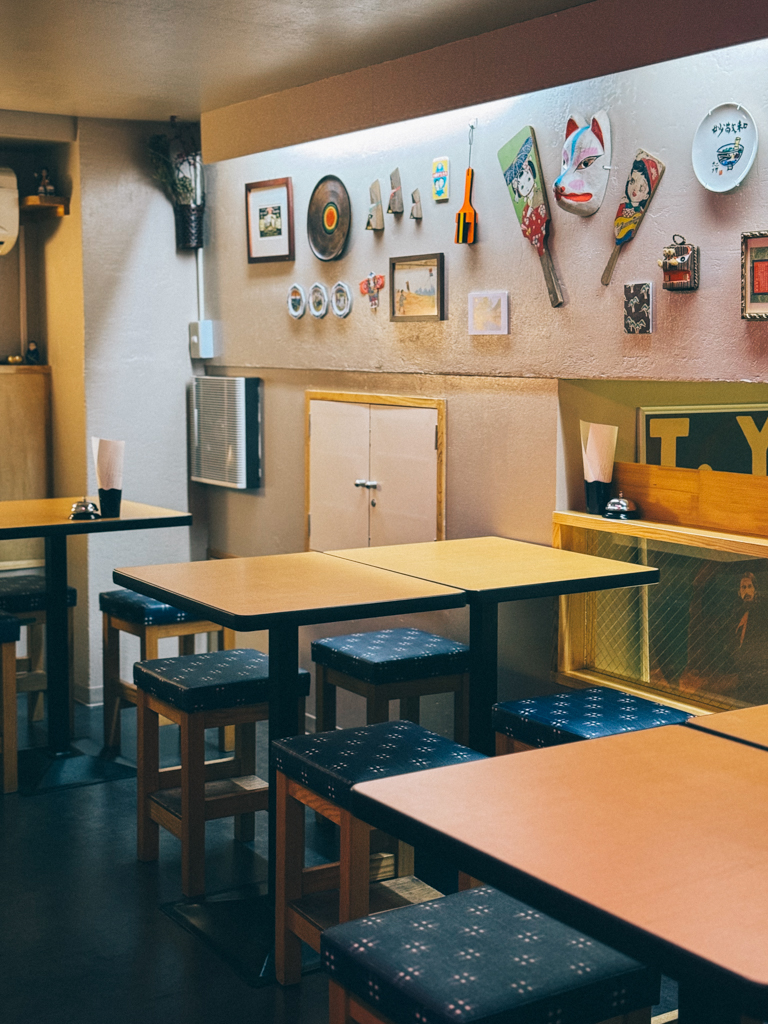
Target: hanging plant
177	166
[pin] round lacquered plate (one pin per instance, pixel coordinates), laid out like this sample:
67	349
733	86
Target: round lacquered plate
724	147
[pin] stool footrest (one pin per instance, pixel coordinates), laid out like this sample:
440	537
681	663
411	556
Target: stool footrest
223	798
31	682
309	916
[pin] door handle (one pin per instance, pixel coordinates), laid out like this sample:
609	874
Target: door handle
361	483
370	484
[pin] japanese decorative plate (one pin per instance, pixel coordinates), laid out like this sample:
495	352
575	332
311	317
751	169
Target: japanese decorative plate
724	147
341	299
297	301
318	300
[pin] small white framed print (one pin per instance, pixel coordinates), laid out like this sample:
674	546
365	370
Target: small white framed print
488	312
341	299
318	300
297	301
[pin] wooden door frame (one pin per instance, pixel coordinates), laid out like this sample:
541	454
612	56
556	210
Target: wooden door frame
403	401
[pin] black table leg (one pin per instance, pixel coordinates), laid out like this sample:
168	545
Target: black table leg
57	643
483	673
703	1003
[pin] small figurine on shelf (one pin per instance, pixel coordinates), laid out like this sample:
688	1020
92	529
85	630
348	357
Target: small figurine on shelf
32	355
45	185
371	287
680	264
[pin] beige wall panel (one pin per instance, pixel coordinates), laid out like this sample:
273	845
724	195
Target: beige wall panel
537	54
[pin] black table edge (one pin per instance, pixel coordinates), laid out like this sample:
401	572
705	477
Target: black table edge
71	527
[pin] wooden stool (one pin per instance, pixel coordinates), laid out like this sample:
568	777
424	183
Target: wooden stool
319	771
479	956
10	631
575	715
26	596
198	692
391	664
150	620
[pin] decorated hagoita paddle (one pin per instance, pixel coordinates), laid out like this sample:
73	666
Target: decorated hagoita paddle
521	166
642	182
466	218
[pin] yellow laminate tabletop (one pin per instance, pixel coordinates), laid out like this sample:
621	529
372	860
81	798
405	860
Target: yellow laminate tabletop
495	568
42	517
251	593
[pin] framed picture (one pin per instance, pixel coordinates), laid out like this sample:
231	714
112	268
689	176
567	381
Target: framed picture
416	287
488	312
269	220
754	275
726	438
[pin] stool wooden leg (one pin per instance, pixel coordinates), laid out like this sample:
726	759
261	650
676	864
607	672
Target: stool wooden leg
10	726
35	648
461	711
147	778
377	710
405	859
289	858
193	805
504	744
187	643
468	882
409	709
325	701
245	753
111	683
354	867
338	1003
225	641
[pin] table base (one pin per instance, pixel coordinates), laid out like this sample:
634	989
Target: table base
238	926
40	770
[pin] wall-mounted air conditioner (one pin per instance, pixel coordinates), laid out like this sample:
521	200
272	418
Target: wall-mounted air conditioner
225	431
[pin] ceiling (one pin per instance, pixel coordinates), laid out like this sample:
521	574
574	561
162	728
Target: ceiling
148	59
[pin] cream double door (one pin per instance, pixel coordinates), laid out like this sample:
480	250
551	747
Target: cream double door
373	475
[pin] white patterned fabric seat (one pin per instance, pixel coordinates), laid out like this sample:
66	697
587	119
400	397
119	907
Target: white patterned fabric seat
479	956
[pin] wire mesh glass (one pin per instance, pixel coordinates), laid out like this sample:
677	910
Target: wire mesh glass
700	634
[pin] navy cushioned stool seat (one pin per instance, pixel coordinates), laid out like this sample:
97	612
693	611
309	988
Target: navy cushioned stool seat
10	631
125	611
219	679
319	771
198	692
391	664
579	715
145	611
27	594
479	956
392	655
331	763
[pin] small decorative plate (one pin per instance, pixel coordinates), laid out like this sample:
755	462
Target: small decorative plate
341	299
724	147
318	300
297	301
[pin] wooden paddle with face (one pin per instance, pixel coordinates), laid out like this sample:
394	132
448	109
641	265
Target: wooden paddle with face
521	167
643	180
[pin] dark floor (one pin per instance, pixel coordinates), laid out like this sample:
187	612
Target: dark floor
82	936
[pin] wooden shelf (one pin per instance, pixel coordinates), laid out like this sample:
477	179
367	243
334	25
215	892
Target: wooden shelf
44	206
671	533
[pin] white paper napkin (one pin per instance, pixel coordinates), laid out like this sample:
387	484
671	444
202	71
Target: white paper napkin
598	449
108	458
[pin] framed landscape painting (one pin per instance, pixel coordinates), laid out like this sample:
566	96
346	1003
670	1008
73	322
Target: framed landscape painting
416	287
269	220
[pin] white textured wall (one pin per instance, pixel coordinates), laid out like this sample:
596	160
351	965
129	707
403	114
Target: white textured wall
697	336
139	296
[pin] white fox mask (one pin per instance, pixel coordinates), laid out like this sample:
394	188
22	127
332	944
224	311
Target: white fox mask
580	189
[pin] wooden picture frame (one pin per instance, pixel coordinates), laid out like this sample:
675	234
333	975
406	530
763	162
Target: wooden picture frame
269	220
425	301
754	275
